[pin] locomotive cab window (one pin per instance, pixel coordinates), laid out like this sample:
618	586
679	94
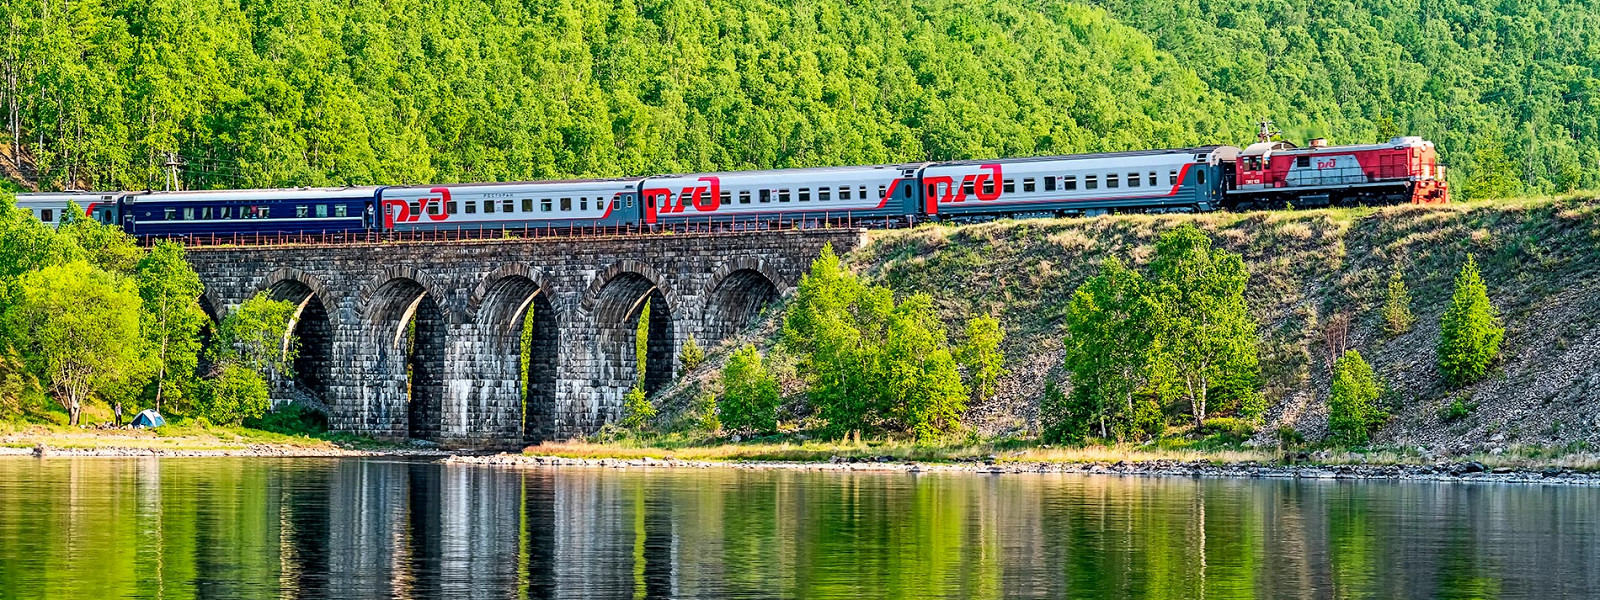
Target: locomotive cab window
1302	161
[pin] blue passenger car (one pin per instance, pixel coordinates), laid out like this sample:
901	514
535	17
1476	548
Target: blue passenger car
303	211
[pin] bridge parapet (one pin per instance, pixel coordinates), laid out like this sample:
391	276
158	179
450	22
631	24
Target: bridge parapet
425	340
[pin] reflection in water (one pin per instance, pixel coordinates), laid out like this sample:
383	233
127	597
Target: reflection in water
302	528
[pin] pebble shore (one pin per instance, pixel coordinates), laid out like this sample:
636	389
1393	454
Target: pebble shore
1454	471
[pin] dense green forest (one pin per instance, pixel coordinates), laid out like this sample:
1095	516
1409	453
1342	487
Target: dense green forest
97	93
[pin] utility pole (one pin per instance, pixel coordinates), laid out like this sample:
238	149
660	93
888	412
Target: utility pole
172	165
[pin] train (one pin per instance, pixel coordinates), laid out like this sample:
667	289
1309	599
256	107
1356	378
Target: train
1268	174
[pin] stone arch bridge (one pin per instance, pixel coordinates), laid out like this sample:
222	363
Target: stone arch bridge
425	340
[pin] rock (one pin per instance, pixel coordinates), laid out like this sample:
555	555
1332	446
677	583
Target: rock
1498	437
1551	472
424	444
41	451
735	438
884	459
1473	467
1501	470
835	459
1497	451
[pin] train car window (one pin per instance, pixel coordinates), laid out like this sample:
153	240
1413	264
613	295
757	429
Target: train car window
1111	180
988	186
1153	181
727	198
300	212
505	205
47	215
824	194
844	193
488	206
905	190
472	207
882	191
863	192
1302	161
1010	186
583	203
340	210
1172	178
685	197
766	196
1050	184
527	205
546	205
783	195
1200	177
744	196
966	188
322	211
1069	182
1133	180
205	213
805	194
416	208
1091	182
170	214
452	208
566	204
1027	184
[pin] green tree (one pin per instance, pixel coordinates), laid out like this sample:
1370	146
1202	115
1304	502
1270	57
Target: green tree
1494	175
691	355
1064	419
921	385
1353	411
256	335
104	246
981	357
170	289
1397	318
749	393
78	328
637	411
1469	331
1110	345
235	394
1203	324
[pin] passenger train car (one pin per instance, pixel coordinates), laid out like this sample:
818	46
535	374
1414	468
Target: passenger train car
494	206
882	194
1268	174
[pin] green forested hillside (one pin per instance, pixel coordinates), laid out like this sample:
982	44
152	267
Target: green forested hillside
314	92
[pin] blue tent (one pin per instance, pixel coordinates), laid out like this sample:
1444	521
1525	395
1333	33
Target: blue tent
148	418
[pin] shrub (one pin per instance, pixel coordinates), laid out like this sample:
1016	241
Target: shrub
1469	332
691	355
1353	411
1231	429
236	394
749	393
981	356
704	412
1456	410
637	411
1289	437
291	419
1397	317
1063	419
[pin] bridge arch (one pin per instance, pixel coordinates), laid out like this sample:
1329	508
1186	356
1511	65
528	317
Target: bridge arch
519	320
314	325
617	299
739	292
408	327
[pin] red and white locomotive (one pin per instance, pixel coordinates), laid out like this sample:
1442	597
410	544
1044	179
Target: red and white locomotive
1270	174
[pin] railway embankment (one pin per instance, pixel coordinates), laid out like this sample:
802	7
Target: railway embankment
1318	282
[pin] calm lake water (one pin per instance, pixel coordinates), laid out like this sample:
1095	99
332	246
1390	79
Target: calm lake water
360	528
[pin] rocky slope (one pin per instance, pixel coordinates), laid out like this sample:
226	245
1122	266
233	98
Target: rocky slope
1540	258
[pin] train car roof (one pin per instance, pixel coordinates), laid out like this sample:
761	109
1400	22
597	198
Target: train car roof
544	182
321	193
1084	156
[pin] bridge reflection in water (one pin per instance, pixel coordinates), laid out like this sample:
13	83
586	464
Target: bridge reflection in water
397	529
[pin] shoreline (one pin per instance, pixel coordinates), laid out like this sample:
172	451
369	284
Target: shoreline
249	451
1468	471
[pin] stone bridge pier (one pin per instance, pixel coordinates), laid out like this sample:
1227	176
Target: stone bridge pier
427	340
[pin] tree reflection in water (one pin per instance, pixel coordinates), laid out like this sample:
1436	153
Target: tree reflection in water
376	528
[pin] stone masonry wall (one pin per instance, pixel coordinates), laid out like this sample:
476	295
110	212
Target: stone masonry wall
468	299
